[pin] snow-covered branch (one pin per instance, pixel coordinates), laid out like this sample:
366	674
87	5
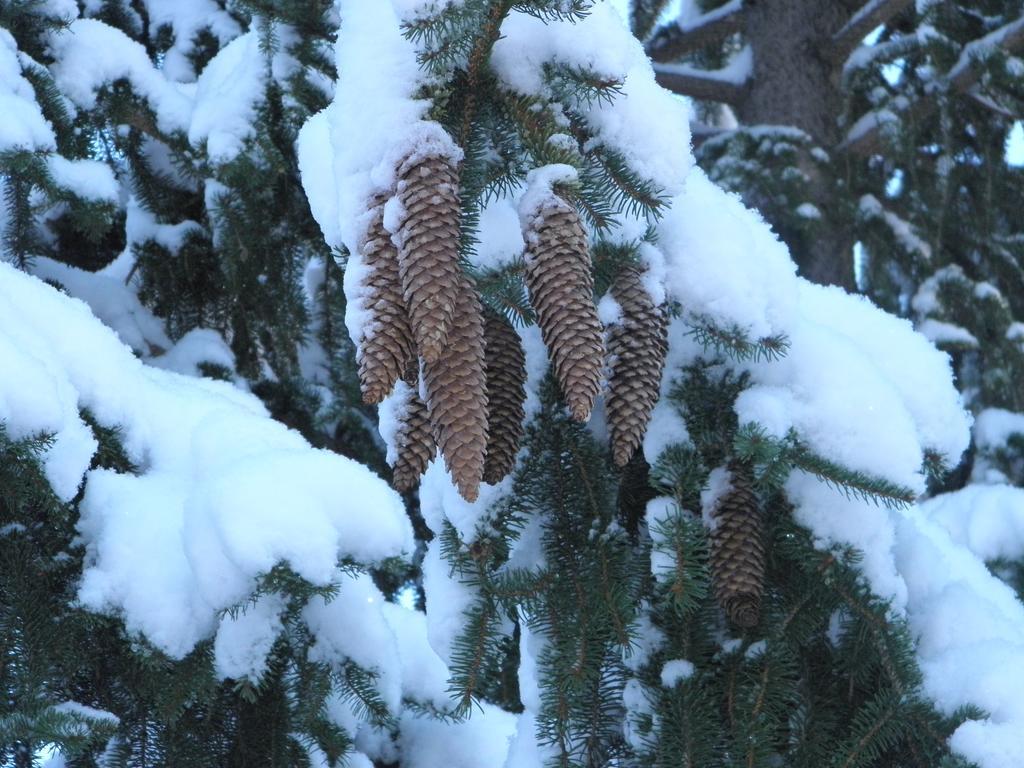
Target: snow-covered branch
870	15
678	38
865	137
965	73
724	85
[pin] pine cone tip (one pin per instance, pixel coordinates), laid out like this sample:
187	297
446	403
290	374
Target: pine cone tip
743	611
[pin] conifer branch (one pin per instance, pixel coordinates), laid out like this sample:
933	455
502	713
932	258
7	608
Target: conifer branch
677	39
735	342
872	14
478	56
851	482
869	132
698	84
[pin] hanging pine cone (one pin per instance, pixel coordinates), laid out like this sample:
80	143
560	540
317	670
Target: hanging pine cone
637	346
457	394
387	347
428	257
415	438
505	364
737	550
561	289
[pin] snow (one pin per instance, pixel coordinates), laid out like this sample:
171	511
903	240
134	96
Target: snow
390	415
719	483
739	69
808	211
836	520
500	235
111	301
890	370
858	386
375	116
424	675
373	648
199	345
983	47
541	187
994	426
526	750
658	515
186	18
480	742
86	712
970	631
745	279
244	640
227	492
870	208
88	179
141	225
23	126
986	519
601	43
312	146
675	671
869	121
91	54
940	332
993	429
224	111
448	599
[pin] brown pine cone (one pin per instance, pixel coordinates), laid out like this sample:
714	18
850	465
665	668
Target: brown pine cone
428	257
457	394
637	345
387	346
561	289
415	438
505	363
737	550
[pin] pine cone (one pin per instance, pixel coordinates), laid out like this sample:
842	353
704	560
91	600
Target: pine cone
387	347
561	290
637	346
737	550
505	364
457	394
428	257
415	438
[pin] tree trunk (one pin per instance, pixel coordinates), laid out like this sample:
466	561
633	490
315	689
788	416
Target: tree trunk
795	83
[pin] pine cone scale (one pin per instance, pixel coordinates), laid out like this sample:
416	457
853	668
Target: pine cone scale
560	285
506	394
388	344
738	551
429	253
637	346
456	387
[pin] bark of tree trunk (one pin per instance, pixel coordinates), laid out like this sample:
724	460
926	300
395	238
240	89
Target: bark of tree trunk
795	83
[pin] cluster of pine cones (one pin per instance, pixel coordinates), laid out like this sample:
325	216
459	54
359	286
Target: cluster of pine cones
426	322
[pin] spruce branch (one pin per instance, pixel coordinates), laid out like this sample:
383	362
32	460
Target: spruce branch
704	85
872	14
644	15
674	40
869	134
579	85
358	687
735	342
852	483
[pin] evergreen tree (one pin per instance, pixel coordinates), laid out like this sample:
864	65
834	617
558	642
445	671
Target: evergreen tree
665	488
883	165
